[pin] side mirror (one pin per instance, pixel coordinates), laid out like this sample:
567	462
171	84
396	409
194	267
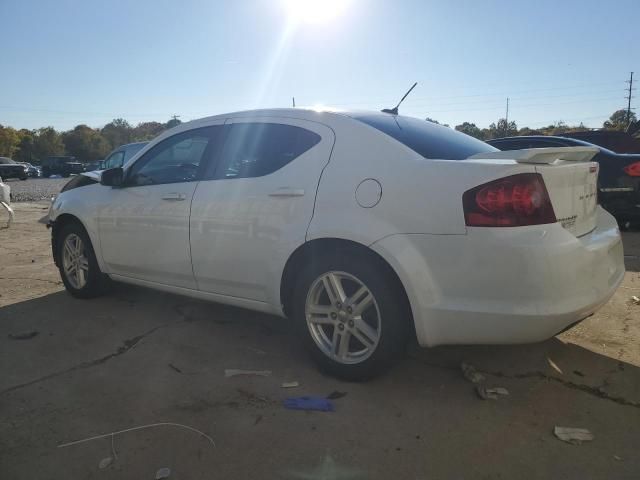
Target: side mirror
112	177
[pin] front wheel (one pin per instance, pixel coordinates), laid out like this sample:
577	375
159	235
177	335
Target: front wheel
351	315
77	263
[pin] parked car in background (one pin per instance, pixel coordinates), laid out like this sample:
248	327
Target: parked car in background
363	227
11	169
93	166
32	170
619	142
618	179
122	154
61	165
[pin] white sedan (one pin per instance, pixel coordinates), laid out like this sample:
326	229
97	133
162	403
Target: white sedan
363	227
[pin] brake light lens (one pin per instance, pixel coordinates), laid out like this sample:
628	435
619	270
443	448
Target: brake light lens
633	169
513	201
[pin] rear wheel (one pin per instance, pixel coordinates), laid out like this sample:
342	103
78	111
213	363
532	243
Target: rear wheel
351	316
77	263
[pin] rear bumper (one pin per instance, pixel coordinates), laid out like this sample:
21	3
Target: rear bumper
505	285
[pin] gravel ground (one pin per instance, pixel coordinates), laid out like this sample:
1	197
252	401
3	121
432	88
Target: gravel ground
35	189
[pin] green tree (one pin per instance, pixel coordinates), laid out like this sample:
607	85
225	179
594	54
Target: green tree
502	129
529	131
174	122
47	142
26	152
619	121
147	131
86	144
9	140
470	129
118	132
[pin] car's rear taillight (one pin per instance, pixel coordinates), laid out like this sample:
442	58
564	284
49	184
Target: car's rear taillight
633	169
512	201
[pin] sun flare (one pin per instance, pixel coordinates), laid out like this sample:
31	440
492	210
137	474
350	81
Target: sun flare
314	11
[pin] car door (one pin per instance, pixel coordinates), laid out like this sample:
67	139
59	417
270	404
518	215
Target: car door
254	208
144	225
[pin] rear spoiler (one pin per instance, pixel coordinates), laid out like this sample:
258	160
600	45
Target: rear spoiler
541	155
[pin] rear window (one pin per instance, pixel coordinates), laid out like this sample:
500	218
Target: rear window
426	138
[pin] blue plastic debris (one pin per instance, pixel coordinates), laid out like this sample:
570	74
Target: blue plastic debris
308	403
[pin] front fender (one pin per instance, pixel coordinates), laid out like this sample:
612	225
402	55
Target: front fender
77	205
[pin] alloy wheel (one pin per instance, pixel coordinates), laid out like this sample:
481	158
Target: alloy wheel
74	261
343	317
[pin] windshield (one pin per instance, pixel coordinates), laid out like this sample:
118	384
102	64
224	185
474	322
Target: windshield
426	138
131	150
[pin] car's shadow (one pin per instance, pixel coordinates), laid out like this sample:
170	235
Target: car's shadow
72	331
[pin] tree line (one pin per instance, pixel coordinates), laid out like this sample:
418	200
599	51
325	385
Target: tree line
83	142
89	144
503	128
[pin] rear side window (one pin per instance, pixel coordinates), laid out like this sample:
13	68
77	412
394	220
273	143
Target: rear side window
426	138
258	149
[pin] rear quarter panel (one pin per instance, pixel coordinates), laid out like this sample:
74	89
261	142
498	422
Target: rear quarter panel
418	195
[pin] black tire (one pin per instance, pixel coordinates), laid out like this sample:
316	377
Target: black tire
96	281
393	313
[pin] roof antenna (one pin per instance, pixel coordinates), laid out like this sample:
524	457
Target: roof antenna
394	110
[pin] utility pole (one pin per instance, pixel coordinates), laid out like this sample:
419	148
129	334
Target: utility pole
629	97
294	101
175	117
507	115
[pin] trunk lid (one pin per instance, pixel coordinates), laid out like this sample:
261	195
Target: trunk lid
570	177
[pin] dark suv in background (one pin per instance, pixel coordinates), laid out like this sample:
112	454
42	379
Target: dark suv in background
61	165
11	169
618	178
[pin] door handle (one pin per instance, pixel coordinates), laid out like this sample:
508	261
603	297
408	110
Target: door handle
174	196
287	192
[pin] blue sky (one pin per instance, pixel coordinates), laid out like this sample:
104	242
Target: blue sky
67	62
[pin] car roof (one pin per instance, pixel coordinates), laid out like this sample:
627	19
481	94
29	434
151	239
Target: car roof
303	113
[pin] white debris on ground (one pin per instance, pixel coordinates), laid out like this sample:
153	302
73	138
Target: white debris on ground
163	472
491	393
572	435
471	374
290	384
